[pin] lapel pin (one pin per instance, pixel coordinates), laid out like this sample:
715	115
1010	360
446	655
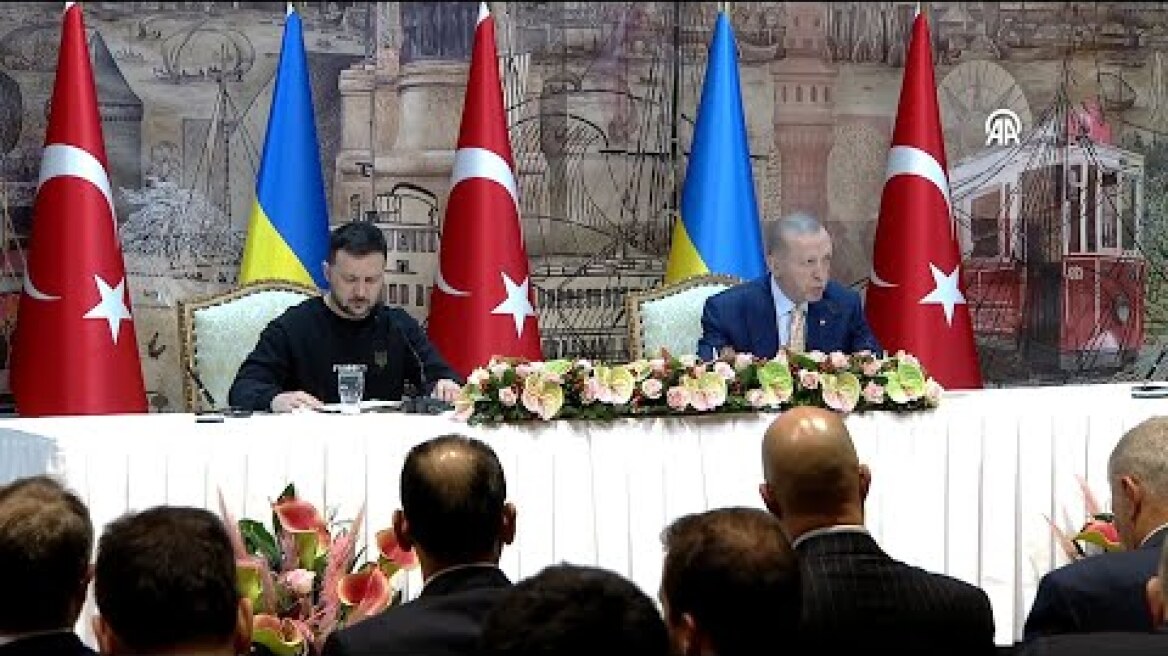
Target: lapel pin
823	322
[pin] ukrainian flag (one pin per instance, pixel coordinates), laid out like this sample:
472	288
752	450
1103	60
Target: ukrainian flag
288	231
718	231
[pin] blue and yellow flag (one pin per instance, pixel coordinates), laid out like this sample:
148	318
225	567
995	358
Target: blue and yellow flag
718	231
288	231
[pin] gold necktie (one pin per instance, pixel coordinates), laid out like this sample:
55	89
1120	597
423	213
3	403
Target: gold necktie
795	339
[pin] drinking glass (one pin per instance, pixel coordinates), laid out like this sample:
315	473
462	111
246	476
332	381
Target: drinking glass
350	386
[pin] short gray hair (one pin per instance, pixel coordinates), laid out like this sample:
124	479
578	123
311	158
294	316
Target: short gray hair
1143	452
797	223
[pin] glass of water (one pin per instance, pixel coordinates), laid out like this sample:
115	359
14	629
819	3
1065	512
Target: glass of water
350	386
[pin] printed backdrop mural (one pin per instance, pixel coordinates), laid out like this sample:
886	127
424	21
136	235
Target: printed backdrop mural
1061	214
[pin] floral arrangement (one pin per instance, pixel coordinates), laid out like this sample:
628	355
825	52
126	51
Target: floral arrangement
303	576
514	390
1096	535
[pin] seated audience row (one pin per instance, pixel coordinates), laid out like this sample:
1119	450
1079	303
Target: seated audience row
806	573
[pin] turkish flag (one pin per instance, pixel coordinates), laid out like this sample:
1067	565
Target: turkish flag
481	304
74	350
916	297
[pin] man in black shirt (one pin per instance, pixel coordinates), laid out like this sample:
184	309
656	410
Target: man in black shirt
292	364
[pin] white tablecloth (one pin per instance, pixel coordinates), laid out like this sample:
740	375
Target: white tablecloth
965	489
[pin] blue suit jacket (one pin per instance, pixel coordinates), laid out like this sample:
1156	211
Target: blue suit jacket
743	318
1098	593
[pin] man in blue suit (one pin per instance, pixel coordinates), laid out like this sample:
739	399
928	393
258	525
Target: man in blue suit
796	305
1107	592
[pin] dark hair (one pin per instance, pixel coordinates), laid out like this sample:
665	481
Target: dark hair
46	538
357	238
571	610
165	578
454	506
734	571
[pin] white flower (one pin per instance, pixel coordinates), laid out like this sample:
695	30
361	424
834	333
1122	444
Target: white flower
508	397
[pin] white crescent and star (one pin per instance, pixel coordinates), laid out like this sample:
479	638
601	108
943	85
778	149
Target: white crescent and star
517	304
65	160
112	306
946	291
472	163
910	160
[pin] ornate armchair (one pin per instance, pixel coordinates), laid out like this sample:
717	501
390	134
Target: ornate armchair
216	333
670	316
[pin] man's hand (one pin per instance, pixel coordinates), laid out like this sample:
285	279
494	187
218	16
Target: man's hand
289	401
446	390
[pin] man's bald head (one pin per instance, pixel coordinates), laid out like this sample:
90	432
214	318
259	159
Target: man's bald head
453	493
811	468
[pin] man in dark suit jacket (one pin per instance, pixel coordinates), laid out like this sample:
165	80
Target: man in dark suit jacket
1106	592
756	316
165	583
854	594
455	516
1152	641
46	537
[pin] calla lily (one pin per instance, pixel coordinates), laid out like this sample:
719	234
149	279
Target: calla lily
297	516
281	637
247	579
393	557
774	377
841	392
302	519
368	591
1101	533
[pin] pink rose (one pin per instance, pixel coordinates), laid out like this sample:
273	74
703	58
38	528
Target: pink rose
818	357
508	397
871	367
756	398
658	366
677	398
838	360
724	370
478	376
591	392
651	387
299	581
743	360
523	369
933	391
808	379
874	393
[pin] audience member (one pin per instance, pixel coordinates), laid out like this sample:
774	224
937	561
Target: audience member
1106	592
795	305
730	582
165	584
456	517
1152	642
854	594
570	610
46	539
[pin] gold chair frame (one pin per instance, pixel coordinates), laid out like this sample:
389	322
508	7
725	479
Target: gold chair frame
186	326
634	300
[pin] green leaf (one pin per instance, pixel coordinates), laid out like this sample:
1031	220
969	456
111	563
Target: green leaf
259	541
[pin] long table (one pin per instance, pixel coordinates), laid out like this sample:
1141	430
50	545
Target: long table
965	489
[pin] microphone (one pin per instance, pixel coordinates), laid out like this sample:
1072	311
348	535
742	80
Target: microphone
420	401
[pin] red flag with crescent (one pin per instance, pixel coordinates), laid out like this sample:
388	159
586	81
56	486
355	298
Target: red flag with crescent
481	304
916	297
74	350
